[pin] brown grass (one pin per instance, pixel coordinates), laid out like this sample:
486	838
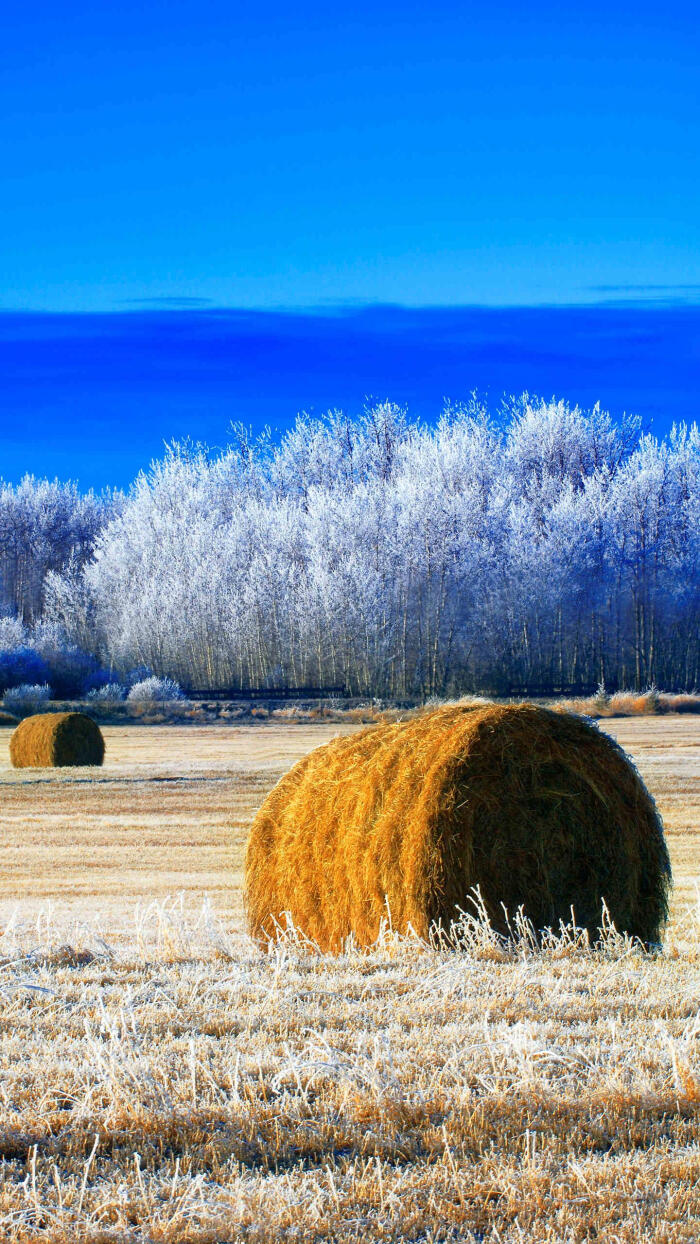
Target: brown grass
163	1080
650	703
48	740
541	811
168	812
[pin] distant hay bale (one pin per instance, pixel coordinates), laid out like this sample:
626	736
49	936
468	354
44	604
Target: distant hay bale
536	808
50	739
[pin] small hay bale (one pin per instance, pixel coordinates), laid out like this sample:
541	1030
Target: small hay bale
49	739
538	809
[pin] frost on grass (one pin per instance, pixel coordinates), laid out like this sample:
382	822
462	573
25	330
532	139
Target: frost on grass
179	1084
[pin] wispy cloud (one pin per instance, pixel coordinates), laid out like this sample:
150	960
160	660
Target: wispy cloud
644	289
174	300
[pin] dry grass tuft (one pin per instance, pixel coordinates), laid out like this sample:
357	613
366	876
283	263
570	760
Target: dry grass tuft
649	703
48	740
541	811
184	1086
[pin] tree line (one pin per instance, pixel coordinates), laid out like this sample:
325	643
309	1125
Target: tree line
541	548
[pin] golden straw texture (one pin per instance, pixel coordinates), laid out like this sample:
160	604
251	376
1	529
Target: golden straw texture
49	739
539	809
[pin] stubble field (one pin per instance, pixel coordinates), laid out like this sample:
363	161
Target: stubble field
163	1079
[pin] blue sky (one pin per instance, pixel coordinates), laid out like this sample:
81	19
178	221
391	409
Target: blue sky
215	211
173	154
94	396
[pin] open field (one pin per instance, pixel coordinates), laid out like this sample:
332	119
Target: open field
162	1079
168	813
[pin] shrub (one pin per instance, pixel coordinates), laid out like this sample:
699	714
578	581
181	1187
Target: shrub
71	671
13	633
27	698
20	666
601	699
108	693
689	703
537	809
156	691
653	700
139	674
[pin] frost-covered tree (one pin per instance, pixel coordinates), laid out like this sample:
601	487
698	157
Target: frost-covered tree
547	547
44	526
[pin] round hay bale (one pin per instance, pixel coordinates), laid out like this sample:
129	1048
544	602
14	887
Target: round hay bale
49	739
540	810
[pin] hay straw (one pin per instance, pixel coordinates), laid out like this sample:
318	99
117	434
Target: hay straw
46	740
537	809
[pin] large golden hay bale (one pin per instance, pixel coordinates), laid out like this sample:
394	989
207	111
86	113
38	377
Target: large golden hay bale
49	739
537	808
